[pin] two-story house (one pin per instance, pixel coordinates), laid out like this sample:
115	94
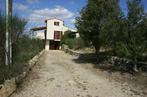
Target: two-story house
54	31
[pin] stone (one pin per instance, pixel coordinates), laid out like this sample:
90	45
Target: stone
8	88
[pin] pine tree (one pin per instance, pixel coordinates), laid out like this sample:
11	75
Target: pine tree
137	29
96	19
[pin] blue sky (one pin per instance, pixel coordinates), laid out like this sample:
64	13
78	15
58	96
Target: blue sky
36	11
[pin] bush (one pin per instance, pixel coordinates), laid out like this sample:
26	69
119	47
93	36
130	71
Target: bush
23	47
75	43
23	50
70	39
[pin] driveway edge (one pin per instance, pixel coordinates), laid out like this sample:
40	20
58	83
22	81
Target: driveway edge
10	86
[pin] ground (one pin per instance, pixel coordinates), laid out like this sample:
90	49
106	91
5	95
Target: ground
57	75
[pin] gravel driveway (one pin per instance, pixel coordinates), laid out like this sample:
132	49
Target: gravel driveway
57	75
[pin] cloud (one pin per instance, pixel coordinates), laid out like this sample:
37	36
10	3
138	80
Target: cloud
73	20
46	13
21	7
33	1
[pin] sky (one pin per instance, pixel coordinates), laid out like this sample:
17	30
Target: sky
37	11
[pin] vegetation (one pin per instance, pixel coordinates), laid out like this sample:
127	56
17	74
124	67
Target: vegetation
23	50
70	39
134	36
95	19
2	38
104	24
23	47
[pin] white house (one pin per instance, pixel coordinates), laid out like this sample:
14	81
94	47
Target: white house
54	31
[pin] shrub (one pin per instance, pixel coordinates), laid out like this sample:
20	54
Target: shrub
70	39
23	50
23	47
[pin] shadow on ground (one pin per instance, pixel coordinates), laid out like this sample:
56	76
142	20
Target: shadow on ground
102	62
115	70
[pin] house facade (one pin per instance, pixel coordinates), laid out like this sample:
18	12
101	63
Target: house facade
54	31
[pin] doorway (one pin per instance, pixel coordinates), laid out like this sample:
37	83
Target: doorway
54	45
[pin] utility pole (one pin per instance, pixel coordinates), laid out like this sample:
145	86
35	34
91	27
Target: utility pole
8	52
10	35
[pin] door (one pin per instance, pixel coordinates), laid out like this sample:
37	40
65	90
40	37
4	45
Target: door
54	45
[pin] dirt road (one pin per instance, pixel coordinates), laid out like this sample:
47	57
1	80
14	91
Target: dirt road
58	75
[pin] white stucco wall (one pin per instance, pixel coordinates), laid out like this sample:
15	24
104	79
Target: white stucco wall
77	35
51	28
67	28
47	45
40	35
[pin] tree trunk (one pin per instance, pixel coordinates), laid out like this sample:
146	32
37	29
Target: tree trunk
96	46
135	65
97	49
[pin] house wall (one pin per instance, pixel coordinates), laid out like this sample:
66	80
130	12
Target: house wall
40	35
47	45
50	32
67	28
77	35
51	28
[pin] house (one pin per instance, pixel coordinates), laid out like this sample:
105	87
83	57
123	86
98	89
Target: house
53	33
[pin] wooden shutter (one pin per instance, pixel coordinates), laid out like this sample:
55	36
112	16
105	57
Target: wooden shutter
57	35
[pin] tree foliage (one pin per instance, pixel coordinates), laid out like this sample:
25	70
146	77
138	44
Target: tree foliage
96	17
17	27
69	39
136	29
2	38
102	22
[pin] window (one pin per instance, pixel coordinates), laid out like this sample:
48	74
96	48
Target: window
56	23
57	34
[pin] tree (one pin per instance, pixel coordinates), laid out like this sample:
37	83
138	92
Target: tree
2	38
17	27
130	41
112	26
129	38
135	42
95	17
